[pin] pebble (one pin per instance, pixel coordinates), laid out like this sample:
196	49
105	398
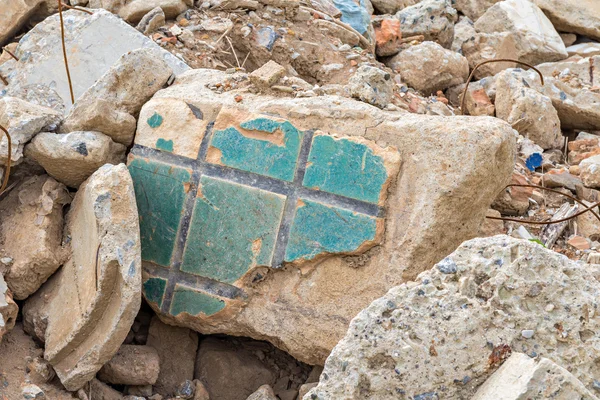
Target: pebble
527	333
345	47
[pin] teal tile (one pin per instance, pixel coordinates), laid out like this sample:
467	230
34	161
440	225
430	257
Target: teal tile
269	158
166	145
155	120
234	227
154	290
154	182
319	228
344	167
194	302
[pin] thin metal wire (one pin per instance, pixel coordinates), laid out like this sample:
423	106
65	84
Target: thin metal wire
10	53
462	101
64	46
8	162
524	221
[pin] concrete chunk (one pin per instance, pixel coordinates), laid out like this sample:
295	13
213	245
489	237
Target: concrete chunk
524	378
100	284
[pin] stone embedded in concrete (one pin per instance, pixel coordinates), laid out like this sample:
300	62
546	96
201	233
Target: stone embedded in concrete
23	121
71	158
213	264
522	377
31	233
99	285
94	44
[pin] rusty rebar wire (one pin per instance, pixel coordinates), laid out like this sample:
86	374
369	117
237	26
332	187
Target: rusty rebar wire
64	46
10	53
8	162
462	101
524	221
77	8
3	79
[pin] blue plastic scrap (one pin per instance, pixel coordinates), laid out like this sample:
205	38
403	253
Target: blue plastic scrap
354	14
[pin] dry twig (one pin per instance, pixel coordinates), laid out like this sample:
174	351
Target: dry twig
234	53
464	94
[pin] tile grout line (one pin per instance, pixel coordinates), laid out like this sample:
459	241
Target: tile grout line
285	226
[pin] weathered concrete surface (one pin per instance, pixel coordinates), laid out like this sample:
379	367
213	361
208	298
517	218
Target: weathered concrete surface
99	285
31	233
71	158
302	305
524	378
434	19
117	97
23	121
446	333
94	43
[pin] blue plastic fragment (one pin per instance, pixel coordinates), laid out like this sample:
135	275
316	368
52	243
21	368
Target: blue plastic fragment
355	15
533	161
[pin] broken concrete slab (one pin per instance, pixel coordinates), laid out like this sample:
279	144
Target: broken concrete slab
72	157
577	16
94	43
262	267
99	285
522	377
23	121
445	334
118	96
31	233
8	309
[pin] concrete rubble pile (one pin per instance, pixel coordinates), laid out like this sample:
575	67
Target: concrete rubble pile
244	199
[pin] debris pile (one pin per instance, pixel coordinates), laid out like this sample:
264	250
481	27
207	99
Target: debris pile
199	198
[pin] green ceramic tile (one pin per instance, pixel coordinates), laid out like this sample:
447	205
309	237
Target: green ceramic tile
154	183
320	228
194	302
344	167
260	156
233	228
154	290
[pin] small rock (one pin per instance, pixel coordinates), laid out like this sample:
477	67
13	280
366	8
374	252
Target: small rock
101	391
8	309
428	67
447	266
590	172
588	49
268	74
391	6
371	85
142	390
263	393
186	390
15	14
579	242
577	16
31	391
72	157
489	46
434	19
473	8
527	333
463	32
514	200
154	19
135	10
131	365
200	392
560	178
387	36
